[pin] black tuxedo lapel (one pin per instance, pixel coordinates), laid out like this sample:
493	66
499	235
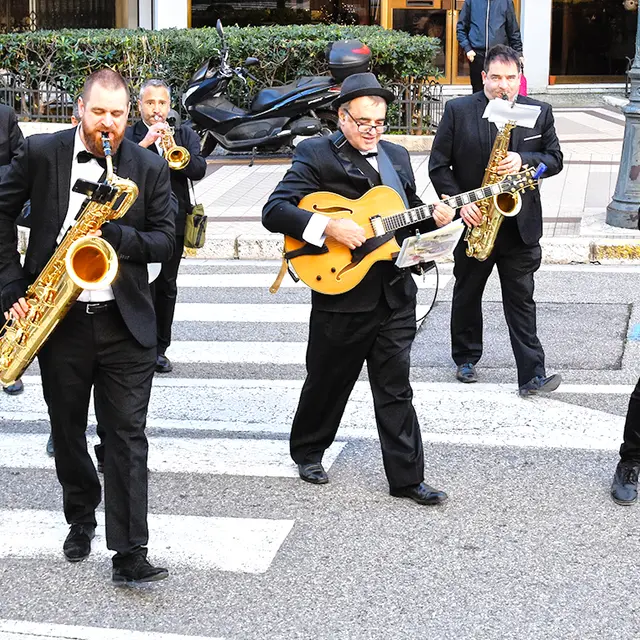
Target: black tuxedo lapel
64	159
484	126
360	172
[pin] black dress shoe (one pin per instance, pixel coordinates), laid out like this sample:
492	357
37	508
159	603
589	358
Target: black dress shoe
134	567
466	372
77	545
163	364
50	449
624	489
313	472
421	493
540	384
14	389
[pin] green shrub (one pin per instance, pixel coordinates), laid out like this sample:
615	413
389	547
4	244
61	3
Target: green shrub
64	58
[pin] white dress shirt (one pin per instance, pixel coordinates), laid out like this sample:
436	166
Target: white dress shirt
314	232
86	171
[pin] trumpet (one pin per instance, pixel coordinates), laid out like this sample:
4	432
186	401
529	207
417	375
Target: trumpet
177	157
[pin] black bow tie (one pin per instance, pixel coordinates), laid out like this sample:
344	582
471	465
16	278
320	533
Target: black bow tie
372	154
85	156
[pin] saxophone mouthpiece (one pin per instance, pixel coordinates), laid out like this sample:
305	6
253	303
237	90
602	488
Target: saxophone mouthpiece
106	145
540	169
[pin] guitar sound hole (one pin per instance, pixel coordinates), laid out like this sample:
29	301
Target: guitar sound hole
331	209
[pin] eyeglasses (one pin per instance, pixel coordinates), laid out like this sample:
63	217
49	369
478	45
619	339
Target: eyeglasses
366	128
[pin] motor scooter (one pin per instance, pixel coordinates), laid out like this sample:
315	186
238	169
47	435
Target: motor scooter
278	115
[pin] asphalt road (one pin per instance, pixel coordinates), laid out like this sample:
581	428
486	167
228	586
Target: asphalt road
529	544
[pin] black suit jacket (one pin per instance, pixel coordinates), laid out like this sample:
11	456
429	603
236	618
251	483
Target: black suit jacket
462	147
42	172
195	170
326	164
11	138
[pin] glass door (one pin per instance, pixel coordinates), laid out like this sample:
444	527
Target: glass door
438	19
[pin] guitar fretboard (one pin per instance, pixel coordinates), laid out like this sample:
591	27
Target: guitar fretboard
419	214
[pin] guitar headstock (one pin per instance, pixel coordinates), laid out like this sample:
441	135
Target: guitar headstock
525	179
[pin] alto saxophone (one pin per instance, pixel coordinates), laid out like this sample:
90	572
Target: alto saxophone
481	239
177	157
79	262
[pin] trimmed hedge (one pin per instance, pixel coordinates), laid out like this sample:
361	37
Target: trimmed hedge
64	58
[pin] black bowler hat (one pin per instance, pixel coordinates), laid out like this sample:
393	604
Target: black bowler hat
361	84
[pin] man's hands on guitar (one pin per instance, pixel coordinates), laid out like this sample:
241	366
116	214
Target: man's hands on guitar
346	232
443	214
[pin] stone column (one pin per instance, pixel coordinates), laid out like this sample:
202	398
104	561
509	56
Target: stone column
623	209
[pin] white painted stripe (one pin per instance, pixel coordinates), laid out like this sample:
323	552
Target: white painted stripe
246	545
253	383
262	313
265	280
205	352
24	630
451	413
210	456
592	268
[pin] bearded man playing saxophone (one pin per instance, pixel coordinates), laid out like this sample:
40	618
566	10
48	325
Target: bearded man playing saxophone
107	339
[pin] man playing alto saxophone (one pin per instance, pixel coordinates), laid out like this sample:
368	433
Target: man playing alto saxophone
154	104
107	339
461	152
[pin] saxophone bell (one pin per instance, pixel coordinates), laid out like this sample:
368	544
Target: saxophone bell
91	263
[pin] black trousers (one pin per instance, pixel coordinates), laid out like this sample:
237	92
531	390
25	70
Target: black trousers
516	262
339	344
475	71
630	449
98	350
165	291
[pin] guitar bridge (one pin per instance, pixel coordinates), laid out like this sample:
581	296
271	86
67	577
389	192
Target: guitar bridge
377	225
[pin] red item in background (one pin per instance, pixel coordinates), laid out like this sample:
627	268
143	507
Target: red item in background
523	85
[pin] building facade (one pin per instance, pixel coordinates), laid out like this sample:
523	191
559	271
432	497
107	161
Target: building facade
566	42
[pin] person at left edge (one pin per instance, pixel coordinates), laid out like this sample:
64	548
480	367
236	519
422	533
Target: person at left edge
107	340
11	141
154	104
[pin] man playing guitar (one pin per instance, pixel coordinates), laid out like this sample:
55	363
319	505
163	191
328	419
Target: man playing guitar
374	321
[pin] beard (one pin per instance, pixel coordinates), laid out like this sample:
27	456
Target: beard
92	139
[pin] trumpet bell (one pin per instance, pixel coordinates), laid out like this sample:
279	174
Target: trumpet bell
508	204
177	158
91	263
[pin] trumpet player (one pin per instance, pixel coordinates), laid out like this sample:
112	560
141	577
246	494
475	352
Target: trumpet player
151	133
106	340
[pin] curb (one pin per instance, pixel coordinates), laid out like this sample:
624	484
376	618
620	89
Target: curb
566	250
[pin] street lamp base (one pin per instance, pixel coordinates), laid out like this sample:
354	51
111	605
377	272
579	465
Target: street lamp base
622	214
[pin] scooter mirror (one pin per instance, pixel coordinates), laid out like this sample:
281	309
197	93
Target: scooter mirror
251	62
219	28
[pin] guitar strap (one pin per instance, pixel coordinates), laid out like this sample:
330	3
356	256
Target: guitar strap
389	175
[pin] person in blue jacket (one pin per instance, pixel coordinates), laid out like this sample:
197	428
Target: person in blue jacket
483	24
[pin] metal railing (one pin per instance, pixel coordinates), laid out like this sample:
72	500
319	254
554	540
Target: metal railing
417	109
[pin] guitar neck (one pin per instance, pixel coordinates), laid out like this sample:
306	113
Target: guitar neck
419	214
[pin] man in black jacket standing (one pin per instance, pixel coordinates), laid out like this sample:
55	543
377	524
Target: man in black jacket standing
459	157
373	322
154	104
107	339
11	141
483	24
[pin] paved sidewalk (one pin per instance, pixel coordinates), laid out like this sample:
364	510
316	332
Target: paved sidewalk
574	202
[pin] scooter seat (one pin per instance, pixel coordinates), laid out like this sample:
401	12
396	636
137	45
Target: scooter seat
269	96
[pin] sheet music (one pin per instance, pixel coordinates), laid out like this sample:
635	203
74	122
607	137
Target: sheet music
434	245
502	111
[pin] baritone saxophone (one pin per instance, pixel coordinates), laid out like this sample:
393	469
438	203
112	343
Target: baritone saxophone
79	262
481	239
